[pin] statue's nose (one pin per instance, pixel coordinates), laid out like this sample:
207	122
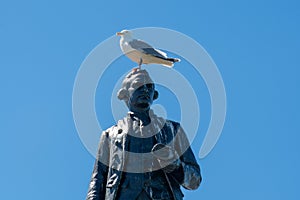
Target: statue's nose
145	88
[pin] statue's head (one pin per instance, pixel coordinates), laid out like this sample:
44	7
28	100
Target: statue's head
138	91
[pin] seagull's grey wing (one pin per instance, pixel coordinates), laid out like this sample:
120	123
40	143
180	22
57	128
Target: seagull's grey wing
146	48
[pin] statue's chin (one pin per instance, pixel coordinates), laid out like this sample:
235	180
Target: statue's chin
143	105
139	107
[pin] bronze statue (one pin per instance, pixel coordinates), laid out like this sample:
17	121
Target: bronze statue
144	156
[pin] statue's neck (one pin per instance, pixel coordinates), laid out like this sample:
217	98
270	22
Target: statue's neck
143	116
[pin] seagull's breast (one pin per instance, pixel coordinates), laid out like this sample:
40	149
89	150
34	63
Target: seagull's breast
125	47
130	52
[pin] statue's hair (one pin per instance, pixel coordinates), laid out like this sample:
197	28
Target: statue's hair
123	92
137	71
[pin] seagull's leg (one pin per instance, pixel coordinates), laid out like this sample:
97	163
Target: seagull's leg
140	63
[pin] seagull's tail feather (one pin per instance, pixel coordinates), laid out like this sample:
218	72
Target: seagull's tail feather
170	65
174	60
169	62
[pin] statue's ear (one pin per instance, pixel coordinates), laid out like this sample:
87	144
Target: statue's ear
155	96
122	94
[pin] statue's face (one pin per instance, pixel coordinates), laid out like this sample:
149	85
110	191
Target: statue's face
141	95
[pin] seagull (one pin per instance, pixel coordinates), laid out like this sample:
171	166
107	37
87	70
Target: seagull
141	52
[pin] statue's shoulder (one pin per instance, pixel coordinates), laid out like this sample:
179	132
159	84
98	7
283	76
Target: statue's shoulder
116	129
110	131
172	123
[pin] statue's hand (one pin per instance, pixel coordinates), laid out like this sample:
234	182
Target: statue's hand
166	156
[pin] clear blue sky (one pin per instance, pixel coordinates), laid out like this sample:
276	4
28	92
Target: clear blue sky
254	43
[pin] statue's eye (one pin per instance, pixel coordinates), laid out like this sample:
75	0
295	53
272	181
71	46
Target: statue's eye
149	86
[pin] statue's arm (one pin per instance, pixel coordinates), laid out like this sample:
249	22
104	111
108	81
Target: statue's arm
188	174
99	176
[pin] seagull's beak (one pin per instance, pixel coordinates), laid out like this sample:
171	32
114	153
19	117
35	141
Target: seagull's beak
119	33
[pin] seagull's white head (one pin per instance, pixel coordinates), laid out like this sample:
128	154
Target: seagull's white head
125	34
